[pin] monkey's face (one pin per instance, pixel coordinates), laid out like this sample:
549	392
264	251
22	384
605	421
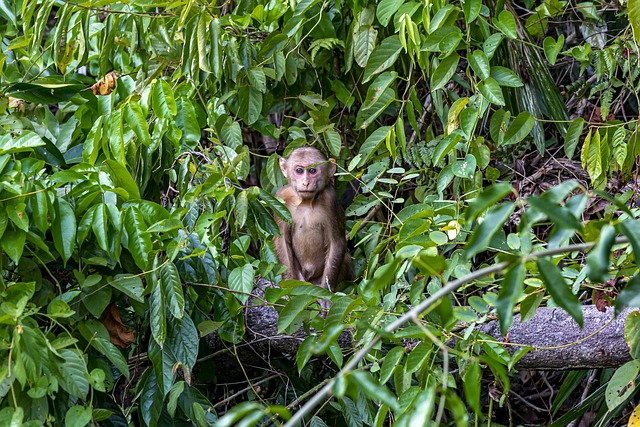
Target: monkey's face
308	181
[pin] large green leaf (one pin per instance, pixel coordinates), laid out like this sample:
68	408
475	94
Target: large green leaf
139	240
26	141
137	121
493	221
445	70
164	103
634	18
241	281
382	57
172	289
63	228
510	291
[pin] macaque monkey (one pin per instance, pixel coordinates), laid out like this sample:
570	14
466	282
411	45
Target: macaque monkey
313	246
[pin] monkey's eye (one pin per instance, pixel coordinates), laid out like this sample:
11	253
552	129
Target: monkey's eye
312	170
299	171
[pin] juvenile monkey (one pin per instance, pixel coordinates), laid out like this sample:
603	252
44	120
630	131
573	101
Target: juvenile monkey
313	246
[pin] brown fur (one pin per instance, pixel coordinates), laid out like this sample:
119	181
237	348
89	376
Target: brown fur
313	246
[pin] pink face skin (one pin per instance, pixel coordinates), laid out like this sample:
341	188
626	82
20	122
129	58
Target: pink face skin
307	180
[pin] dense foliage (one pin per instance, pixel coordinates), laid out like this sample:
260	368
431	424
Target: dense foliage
138	162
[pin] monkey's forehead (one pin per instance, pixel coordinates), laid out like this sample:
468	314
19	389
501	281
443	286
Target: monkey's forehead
308	151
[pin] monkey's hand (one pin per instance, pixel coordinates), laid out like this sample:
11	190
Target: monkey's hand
325	305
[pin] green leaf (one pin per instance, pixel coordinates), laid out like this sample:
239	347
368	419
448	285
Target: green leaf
181	345
493	221
40	210
12	243
130	285
367	116
560	215
465	168
373	389
445	146
506	23
73	374
552	48
594	157
291	312
17	213
378	87
372	143
136	120
164	104
418	357
157	313
63	228
491	90
598	258
386	9
139	241
242	208
78	416
480	64
572	137
471	9
26	141
278	207
231	134
445	70
632	330
334	142
172	289
634	18
619	146
241	280
47	90
491	44
112	353
519	129
505	77
622	384
364	41
444	40
488	198
382	57
472	386
559	290
630	295
249	104
122	178
510	292
391	360
274	42
188	123
100	227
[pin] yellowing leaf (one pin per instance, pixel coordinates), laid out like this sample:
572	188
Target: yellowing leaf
105	85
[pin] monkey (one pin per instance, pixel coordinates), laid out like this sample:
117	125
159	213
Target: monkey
313	247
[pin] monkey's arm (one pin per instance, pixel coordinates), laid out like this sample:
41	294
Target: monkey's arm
335	256
284	251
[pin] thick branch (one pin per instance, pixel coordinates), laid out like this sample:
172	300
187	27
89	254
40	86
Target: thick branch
559	343
557	340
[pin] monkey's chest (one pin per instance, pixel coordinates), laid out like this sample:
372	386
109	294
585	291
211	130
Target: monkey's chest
310	246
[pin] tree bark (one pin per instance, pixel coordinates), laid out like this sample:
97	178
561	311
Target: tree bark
559	343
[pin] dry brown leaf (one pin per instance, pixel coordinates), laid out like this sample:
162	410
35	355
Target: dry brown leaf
119	333
105	85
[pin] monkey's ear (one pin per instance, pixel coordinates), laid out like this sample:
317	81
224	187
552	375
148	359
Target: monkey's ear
331	167
283	166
